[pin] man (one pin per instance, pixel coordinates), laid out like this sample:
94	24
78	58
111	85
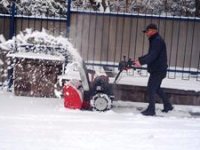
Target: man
156	60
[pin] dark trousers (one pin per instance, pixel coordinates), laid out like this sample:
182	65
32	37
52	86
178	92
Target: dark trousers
153	88
10	82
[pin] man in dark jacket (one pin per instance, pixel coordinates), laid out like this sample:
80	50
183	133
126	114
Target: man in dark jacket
156	60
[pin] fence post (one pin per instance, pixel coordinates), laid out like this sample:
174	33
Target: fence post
12	21
68	17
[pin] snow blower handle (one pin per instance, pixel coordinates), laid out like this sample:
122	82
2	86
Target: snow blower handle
131	64
124	65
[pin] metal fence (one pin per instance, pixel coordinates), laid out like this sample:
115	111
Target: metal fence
107	37
104	38
14	22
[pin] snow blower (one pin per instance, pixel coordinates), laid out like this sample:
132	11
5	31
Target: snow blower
85	94
94	93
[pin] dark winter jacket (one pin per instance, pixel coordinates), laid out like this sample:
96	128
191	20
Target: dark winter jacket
156	58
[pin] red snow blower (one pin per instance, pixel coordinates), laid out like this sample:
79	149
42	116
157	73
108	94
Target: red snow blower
85	94
94	94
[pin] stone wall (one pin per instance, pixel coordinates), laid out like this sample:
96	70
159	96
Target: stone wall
139	94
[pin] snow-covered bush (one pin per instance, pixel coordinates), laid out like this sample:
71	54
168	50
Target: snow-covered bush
36	7
4	6
41	7
181	8
59	7
157	7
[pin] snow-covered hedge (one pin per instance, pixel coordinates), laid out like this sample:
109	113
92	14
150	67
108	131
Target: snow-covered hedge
42	7
36	7
59	7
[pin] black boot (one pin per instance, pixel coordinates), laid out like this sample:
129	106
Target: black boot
167	108
150	111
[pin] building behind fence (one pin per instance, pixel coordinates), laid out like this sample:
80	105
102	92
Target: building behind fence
104	38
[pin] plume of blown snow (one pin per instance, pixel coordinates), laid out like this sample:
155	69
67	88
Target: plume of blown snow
2	38
29	37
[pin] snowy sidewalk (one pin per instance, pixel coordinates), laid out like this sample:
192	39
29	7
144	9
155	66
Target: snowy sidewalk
44	123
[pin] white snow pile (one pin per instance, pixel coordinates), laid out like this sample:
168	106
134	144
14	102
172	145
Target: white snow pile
40	45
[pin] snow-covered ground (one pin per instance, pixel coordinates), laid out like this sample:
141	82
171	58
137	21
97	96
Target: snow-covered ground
44	124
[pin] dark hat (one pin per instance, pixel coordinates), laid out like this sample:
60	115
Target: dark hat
150	26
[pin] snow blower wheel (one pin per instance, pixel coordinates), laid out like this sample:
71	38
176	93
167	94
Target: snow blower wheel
101	102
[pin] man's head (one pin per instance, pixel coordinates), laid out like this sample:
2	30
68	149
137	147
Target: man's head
150	30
